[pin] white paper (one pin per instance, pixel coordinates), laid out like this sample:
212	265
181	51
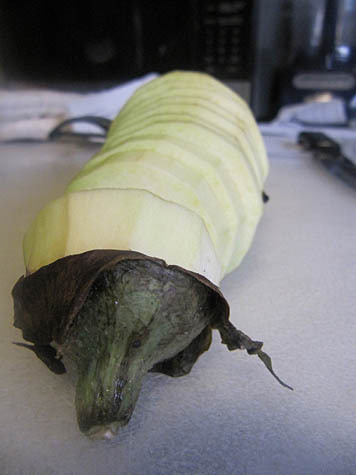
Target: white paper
32	114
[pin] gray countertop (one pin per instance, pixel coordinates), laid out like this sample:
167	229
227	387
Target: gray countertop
295	290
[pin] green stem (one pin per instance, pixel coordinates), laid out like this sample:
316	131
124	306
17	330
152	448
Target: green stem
138	316
107	391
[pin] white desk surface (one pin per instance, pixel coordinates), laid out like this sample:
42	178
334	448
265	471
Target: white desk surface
295	290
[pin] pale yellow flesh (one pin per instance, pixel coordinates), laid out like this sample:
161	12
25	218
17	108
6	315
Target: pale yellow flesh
232	163
171	180
210	106
120	219
225	126
195	115
205	112
181	182
199	85
176	80
201	173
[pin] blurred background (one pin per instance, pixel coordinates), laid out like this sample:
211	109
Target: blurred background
273	52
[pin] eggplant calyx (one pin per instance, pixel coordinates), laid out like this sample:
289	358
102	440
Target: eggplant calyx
118	315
